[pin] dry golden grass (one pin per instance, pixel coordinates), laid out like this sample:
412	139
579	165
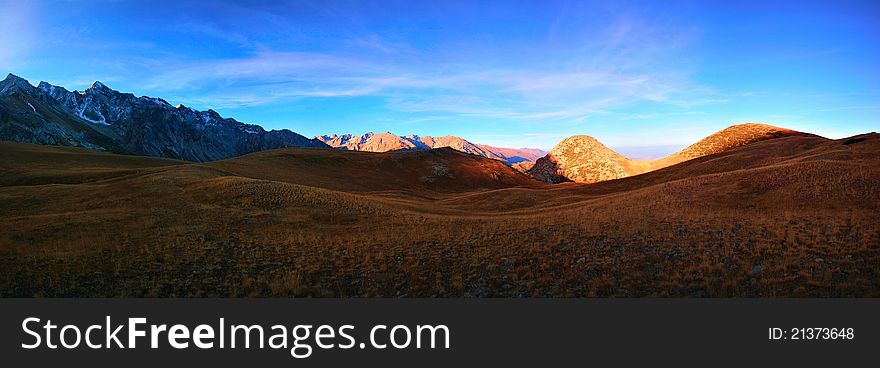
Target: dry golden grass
583	159
792	216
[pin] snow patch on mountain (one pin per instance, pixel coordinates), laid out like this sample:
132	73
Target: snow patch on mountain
157	101
103	120
251	129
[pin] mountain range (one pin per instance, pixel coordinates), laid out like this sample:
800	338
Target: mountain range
386	142
104	119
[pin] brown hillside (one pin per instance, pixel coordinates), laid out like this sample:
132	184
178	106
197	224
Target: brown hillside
794	216
728	138
31	164
439	170
583	159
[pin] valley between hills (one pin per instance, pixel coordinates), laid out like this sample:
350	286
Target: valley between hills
104	194
791	216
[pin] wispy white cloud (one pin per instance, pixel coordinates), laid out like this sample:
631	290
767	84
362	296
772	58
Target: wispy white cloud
629	61
513	93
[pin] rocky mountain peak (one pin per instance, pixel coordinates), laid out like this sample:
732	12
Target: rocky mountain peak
12	81
99	87
12	78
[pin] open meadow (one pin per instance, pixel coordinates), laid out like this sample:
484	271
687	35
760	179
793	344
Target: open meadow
788	217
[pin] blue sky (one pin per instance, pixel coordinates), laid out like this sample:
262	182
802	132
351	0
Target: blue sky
515	74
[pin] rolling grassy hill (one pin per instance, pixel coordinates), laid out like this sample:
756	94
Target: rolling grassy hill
792	216
422	172
583	159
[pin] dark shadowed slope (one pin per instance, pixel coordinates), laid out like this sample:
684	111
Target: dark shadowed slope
30	164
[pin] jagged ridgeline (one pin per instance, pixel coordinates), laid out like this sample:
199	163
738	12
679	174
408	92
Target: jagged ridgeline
386	142
105	119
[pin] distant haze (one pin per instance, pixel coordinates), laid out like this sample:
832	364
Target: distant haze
648	152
